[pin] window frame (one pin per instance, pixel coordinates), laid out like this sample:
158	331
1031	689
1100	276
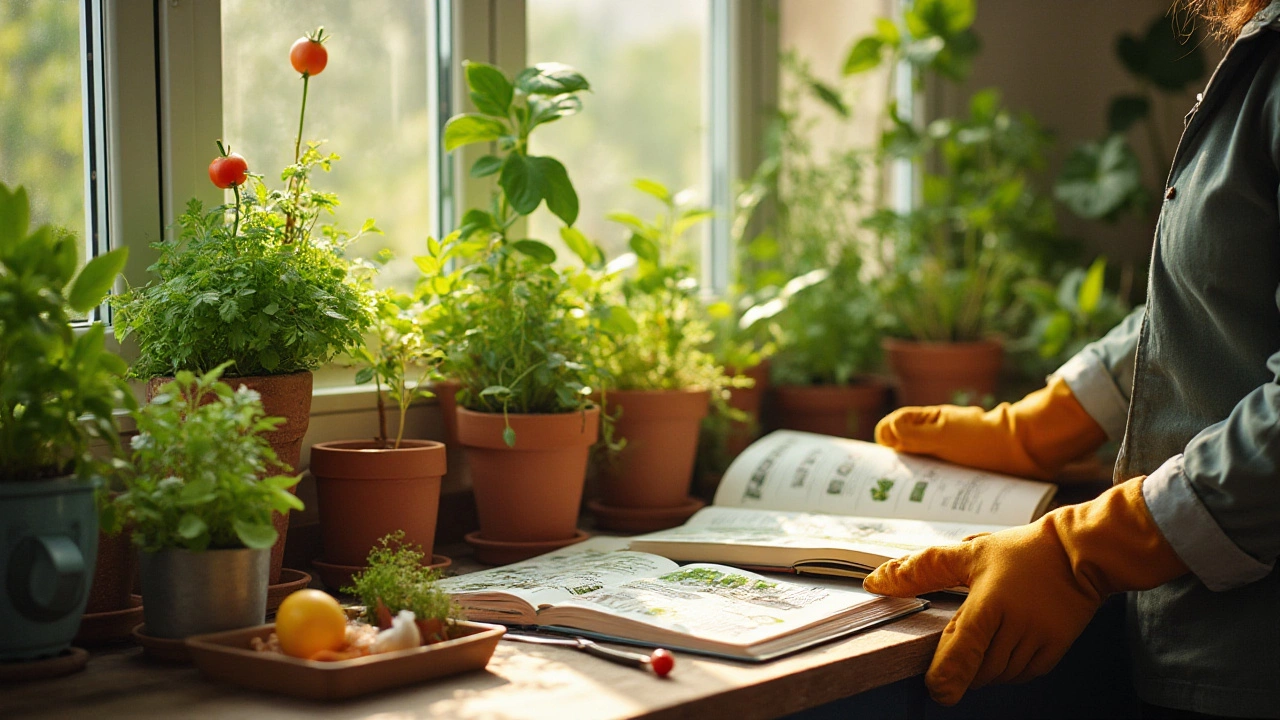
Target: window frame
161	82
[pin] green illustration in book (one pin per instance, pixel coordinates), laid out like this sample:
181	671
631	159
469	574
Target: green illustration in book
880	492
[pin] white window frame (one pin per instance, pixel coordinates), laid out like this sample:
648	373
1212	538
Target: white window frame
161	97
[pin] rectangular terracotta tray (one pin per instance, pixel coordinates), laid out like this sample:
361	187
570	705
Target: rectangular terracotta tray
229	656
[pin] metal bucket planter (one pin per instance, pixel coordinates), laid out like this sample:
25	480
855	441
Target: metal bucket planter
48	544
189	593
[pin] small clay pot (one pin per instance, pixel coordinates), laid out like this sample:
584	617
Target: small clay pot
933	373
286	396
661	428
849	411
112	586
748	400
531	491
366	491
446	392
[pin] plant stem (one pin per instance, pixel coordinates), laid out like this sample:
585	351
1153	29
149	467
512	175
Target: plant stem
382	411
235	229
294	183
297	144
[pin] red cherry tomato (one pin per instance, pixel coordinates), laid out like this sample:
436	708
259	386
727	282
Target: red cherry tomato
308	56
228	170
661	661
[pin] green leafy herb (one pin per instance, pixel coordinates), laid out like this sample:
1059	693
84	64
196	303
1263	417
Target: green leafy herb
201	476
396	578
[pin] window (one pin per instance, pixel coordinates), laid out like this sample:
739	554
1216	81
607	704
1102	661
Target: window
645	116
48	136
370	105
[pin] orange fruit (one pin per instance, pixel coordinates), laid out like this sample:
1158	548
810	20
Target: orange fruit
310	621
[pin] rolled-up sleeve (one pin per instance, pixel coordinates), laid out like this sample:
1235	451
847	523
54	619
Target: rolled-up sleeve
1101	375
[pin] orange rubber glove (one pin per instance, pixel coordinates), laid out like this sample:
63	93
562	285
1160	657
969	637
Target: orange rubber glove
1032	588
1031	438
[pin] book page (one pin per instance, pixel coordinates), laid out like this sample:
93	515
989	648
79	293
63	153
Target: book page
562	574
713	603
797	471
885	537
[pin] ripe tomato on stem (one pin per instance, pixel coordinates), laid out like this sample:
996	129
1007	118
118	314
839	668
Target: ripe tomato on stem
308	55
228	169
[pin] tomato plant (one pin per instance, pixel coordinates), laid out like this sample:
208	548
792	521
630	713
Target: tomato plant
308	54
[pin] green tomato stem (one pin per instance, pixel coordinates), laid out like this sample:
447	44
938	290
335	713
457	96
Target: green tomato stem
235	229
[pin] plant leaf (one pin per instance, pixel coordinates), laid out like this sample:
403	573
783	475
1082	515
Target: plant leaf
485	166
470	128
863	56
579	245
191	527
562	199
1125	110
536	249
1091	288
255	536
551	79
654	188
522	183
95	280
489	87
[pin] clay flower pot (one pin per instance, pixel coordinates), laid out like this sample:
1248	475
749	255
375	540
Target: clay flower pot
748	400
286	396
932	373
446	392
367	490
531	492
849	411
661	428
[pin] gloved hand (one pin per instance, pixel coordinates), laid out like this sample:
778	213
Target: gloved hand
1031	438
1032	588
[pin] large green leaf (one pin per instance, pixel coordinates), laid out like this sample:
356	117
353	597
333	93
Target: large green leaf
255	536
1125	110
522	182
15	216
485	166
864	55
551	79
1099	180
95	280
579	245
536	249
1162	56
491	91
471	128
654	188
562	199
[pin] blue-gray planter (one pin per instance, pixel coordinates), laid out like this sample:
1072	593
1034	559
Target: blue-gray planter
48	545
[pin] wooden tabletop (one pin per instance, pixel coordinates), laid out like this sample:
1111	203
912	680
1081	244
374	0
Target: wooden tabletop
521	681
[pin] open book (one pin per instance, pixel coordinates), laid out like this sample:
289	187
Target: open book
598	589
822	505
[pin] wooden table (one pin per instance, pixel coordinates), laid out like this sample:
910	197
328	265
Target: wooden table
522	681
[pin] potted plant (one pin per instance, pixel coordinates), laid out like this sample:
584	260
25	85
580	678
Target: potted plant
950	262
259	283
828	344
368	489
58	393
661	379
199	499
516	330
395	579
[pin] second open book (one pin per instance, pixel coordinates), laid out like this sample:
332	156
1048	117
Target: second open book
815	504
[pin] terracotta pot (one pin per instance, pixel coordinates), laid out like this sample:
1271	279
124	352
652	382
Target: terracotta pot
367	491
748	400
446	392
849	411
661	428
113	575
532	491
933	373
286	396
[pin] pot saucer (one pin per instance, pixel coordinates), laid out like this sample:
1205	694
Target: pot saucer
290	581
635	520
111	626
71	660
166	650
503	552
335	577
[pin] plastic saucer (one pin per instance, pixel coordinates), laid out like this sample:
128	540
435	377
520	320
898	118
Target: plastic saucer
503	552
635	520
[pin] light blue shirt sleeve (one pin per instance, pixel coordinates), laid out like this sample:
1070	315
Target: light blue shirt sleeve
1101	375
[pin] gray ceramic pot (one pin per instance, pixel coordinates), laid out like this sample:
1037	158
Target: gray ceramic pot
188	593
48	544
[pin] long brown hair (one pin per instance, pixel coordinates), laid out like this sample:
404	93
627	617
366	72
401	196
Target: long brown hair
1225	18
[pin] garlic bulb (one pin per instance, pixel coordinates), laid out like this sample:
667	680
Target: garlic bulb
402	635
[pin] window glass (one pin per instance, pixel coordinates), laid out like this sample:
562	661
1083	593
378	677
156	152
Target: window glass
369	106
645	116
42	109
